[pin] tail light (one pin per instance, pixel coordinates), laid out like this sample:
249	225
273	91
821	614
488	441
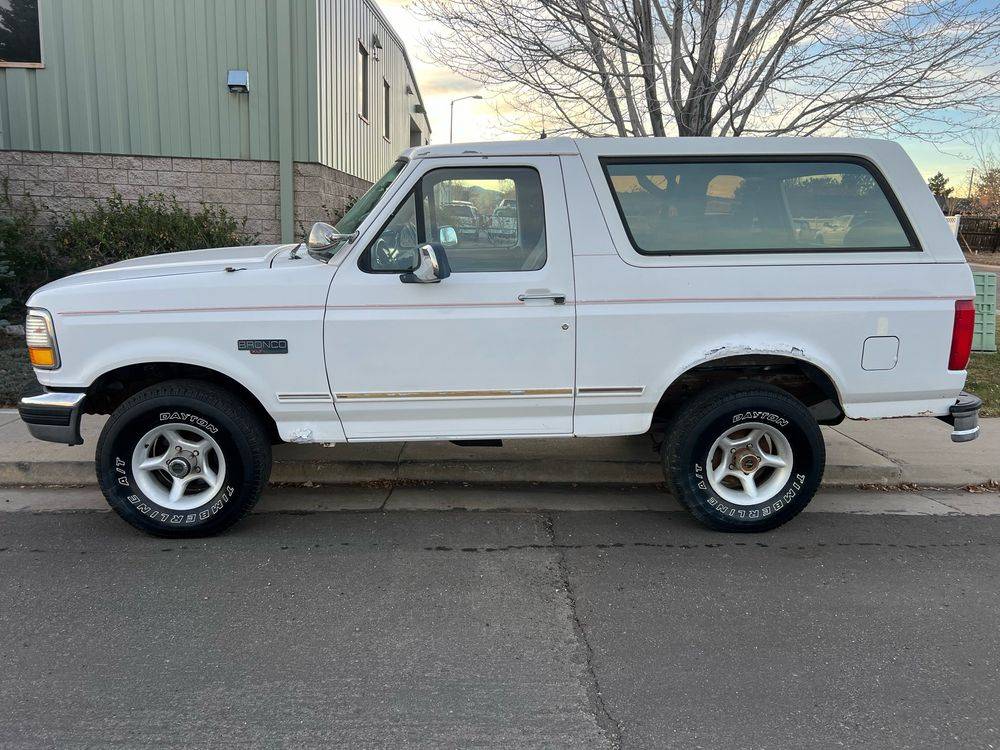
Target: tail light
961	334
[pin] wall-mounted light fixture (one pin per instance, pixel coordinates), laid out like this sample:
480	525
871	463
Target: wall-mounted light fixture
376	46
238	81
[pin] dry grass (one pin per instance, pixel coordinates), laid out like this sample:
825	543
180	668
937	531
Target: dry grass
985	259
984	381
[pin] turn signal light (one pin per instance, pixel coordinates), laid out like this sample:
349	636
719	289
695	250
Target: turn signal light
961	334
40	337
42	357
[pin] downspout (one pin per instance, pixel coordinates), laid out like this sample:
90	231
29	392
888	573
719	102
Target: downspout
286	177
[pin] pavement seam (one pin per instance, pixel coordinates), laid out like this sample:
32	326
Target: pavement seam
884	454
607	723
684	547
943	503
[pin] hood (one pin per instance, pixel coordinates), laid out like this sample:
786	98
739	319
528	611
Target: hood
169	264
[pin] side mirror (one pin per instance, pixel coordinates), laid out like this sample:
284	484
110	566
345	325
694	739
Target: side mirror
323	236
448	237
432	266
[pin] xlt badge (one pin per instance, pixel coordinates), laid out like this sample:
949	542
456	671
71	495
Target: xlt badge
263	346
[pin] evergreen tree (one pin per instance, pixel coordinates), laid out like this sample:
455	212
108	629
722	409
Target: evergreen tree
939	186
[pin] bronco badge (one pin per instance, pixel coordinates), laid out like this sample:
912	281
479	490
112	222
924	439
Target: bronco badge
263	346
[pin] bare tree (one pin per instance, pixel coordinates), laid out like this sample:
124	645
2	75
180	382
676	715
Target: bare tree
918	68
984	179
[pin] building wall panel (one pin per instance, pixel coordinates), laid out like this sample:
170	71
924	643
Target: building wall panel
344	140
147	77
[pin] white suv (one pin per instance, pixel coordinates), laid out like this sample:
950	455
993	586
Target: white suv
727	295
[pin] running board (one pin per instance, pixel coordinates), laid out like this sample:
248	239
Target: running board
478	443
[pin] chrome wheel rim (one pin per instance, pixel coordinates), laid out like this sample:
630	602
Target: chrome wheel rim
749	464
178	466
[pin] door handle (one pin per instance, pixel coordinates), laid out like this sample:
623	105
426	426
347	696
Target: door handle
557	297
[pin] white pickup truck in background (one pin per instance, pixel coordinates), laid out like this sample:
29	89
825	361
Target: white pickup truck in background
727	295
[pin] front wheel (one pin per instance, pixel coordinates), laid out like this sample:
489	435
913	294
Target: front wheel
183	459
744	457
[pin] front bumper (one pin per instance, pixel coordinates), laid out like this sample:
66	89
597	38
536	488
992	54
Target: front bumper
963	417
53	416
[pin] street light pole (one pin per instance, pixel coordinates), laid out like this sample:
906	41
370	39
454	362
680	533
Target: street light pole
451	117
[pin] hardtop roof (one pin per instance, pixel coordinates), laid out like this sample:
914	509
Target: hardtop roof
658	147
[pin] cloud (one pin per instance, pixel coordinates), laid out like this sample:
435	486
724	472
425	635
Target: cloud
435	81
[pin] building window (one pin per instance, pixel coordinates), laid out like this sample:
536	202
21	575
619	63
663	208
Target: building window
362	80
386	111
20	34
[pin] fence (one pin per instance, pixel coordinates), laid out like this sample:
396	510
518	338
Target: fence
979	234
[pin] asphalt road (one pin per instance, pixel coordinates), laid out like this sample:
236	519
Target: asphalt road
501	630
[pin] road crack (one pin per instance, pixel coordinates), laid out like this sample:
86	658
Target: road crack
394	482
608	724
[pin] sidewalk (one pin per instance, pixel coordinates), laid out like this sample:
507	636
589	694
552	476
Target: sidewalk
890	452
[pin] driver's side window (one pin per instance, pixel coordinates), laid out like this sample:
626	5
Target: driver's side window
488	219
395	248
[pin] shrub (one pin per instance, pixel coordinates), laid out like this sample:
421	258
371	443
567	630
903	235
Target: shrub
16	376
24	256
117	229
32	255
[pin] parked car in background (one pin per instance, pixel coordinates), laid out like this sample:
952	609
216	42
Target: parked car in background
503	224
727	296
464	218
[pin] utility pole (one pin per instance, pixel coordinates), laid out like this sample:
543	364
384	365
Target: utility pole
451	117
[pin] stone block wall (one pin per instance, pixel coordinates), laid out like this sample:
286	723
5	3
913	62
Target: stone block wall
323	194
60	183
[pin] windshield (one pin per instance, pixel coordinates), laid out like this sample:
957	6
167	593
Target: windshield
364	205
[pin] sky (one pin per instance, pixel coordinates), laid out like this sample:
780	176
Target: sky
478	120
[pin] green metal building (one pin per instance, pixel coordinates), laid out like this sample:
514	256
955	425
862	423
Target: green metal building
279	110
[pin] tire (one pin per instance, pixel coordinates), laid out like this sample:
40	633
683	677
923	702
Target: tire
210	443
764	426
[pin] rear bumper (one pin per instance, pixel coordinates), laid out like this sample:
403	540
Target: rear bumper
963	416
53	416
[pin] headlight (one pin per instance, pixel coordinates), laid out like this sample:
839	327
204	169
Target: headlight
40	336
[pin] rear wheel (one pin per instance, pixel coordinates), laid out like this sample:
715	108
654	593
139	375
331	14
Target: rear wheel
183	459
744	457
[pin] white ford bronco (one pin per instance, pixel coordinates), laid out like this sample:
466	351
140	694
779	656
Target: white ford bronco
727	296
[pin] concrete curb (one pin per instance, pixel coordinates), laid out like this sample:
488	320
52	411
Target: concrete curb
887	452
559	472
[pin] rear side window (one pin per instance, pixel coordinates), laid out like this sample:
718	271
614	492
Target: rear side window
752	206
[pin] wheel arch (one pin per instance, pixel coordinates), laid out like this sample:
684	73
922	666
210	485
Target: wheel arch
810	382
114	386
